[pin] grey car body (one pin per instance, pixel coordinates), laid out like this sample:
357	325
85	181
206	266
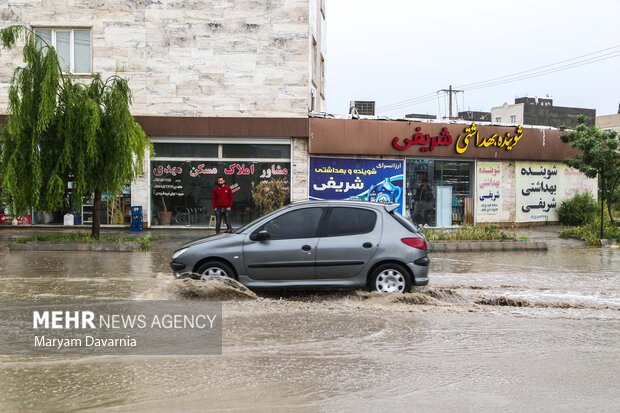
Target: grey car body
315	244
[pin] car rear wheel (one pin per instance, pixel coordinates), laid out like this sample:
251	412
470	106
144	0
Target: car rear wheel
215	268
390	278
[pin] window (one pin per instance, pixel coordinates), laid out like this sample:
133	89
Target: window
185	150
73	47
302	223
350	221
244	151
513	118
498	120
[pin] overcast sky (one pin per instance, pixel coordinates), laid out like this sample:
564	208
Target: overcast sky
396	50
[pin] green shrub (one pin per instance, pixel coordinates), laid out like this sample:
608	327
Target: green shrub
591	232
470	232
578	210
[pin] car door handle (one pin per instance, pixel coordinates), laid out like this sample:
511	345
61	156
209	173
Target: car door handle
367	245
306	248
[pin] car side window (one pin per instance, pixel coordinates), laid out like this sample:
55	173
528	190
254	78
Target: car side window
301	223
350	221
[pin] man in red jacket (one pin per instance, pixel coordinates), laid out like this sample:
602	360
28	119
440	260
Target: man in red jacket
222	201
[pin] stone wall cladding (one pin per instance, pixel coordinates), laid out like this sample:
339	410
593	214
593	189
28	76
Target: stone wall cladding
299	166
187	58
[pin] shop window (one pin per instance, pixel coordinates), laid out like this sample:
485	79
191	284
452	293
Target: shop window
183	188
438	189
185	150
244	151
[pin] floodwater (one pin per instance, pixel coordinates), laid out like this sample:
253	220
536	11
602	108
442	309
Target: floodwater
530	331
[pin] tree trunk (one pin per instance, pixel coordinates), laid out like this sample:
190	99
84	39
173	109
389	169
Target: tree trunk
96	227
602	202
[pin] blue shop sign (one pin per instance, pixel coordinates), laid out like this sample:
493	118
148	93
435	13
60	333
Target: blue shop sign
374	180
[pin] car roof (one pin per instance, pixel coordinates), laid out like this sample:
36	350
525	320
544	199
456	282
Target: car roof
347	202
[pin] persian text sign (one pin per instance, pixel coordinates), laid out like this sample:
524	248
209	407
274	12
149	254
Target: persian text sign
375	180
542	186
489	188
472	136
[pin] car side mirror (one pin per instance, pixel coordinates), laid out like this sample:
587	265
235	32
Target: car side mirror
260	236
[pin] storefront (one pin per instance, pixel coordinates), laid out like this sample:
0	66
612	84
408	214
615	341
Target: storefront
190	153
457	173
183	175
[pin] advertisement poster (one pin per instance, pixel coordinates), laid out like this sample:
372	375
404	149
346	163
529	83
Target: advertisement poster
489	188
374	180
542	186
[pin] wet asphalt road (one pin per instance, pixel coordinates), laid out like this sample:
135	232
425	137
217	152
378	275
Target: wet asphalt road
535	331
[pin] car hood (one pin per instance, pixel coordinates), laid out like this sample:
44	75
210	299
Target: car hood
207	240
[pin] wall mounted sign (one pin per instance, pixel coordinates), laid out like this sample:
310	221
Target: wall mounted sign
542	186
489	188
375	180
471	136
507	141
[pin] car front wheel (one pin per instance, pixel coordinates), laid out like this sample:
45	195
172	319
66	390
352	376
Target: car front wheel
215	268
390	278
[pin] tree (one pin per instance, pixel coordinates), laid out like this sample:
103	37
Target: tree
61	130
599	156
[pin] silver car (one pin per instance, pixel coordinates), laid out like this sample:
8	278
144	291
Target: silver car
315	244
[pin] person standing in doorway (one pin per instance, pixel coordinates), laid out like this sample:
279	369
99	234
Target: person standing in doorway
425	204
222	201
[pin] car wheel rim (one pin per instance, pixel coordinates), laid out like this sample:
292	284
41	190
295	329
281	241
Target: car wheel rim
390	281
213	271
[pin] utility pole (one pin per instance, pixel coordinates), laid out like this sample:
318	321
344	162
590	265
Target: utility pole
450	91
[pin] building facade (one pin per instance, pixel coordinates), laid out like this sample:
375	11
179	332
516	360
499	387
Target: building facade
609	122
220	87
540	112
445	174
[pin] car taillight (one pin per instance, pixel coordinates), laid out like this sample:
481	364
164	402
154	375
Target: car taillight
419	243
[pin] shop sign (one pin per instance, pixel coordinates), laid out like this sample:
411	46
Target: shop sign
428	143
374	180
542	186
489	194
507	141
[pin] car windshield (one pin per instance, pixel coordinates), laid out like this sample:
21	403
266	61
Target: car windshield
404	222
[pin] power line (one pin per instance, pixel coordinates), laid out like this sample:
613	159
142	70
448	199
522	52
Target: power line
522	75
549	65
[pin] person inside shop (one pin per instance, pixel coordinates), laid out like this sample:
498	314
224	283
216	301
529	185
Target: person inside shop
222	201
425	203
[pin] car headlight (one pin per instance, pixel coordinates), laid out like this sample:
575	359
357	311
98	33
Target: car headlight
178	253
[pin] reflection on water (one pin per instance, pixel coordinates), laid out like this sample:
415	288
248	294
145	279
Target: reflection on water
523	331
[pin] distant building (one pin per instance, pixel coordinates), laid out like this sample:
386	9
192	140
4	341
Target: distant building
610	122
420	116
540	111
363	107
475	116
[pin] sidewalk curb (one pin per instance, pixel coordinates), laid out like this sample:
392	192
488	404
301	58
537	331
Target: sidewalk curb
486	246
75	246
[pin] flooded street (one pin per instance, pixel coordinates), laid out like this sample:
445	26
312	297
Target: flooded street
535	331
